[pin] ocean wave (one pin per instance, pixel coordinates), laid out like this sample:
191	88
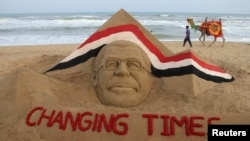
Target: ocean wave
14	24
65	28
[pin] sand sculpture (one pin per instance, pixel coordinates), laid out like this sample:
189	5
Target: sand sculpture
120	84
162	63
122	74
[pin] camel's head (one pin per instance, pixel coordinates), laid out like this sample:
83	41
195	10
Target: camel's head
190	20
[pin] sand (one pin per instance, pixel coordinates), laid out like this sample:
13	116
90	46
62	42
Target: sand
25	88
62	105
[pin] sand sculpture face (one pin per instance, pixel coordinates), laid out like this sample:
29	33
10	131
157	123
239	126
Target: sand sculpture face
122	74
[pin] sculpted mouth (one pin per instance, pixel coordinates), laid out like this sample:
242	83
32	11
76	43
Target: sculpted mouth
122	86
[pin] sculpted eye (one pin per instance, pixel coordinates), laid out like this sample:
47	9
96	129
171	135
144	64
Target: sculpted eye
111	65
134	65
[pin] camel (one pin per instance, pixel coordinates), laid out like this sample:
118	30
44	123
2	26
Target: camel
209	28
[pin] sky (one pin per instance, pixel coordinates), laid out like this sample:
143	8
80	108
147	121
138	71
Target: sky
176	6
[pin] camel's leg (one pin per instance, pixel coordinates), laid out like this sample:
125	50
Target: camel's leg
223	40
203	39
213	42
200	37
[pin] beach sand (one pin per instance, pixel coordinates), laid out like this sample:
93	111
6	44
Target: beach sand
23	86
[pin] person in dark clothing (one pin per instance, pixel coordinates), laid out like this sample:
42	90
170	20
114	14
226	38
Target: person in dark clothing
187	38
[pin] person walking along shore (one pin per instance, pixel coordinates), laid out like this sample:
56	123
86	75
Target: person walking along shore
187	38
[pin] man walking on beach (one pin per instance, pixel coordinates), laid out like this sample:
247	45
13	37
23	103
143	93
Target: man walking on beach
187	38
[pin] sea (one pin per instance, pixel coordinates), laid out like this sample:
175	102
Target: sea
75	28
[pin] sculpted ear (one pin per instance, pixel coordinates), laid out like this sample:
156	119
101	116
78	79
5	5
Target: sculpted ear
94	78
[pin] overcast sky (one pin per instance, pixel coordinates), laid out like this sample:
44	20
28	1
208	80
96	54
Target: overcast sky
65	6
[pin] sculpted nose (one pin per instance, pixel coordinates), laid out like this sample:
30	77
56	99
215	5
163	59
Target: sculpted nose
122	69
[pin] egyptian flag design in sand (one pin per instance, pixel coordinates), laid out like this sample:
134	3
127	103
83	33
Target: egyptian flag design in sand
161	66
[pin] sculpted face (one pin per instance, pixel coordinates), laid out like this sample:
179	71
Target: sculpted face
122	74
